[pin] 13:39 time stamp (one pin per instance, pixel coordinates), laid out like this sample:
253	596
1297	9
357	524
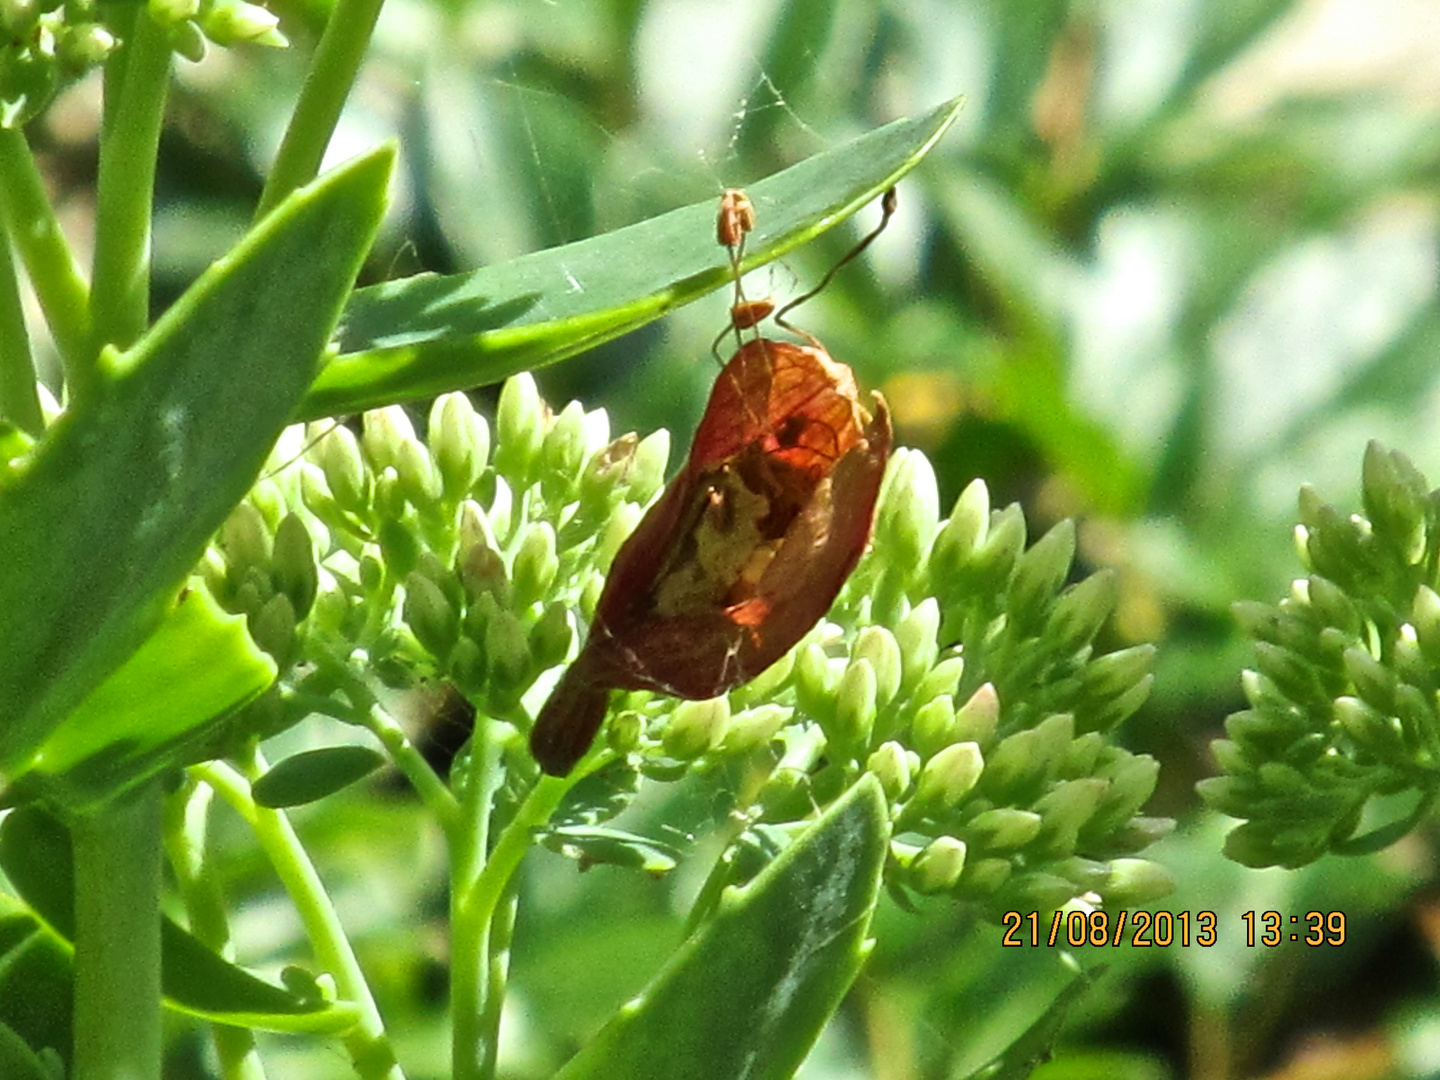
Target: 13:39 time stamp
1163	929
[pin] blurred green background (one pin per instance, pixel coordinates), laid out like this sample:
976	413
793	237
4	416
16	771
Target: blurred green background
1176	258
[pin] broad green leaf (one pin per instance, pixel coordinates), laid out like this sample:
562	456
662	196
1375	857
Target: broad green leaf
309	776
1035	1045
748	995
35	855
101	526
427	335
146	716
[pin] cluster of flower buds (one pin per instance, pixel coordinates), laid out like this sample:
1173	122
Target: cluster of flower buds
427	560
1343	696
46	43
191	23
955	664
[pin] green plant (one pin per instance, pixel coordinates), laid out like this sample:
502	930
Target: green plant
167	604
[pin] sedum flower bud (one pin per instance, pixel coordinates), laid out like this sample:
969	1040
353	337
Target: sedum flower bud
460	442
977	719
382	433
536	564
80	47
933	728
938	867
562	453
982	877
338	455
815	682
245	540
625	731
908	508
606	471
949	776
963	532
1136	881
618	528
647	468
296	574
520	423
994	561
431	618
551	635
273	629
878	647
696	727
1039	573
234	22
1003	828
915	636
508	655
1080	612
943	678
419	479
755	727
891	766
853	721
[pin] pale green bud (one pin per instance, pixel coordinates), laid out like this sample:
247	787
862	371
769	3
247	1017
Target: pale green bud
1113	674
878	647
977	719
785	796
755	727
618	527
1139	833
1003	828
909	506
460	442
536	564
1376	732
167	12
891	765
419	479
606	470
1374	682
296	574
915	636
81	47
382	433
1038	891
939	866
399	546
695	728
1039	573
562	453
1065	809
18	17
273	629
245	540
647	469
551	635
1087	875
216	575
338	455
434	622
942	679
764	686
1083	754
963	532
187	40
815	682
508	654
933	728
949	776
473	526
520	422
1122	707
269	499
467	666
1080	612
234	22
1053	737
315	495
482	572
994	560
625	731
502	513
1394	495
1132	782
1136	881
854	719
1012	766
982	877
371	573
590	595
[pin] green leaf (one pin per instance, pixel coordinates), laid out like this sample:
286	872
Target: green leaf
18	1061
101	526
310	776
748	995
596	844
35	855
427	335
149	714
1035	1045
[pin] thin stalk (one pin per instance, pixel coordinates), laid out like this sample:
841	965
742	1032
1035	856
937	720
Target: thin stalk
367	1043
117	940
49	263
19	398
432	791
137	77
332	73
187	815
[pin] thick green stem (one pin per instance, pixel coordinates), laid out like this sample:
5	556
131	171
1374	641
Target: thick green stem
117	940
49	262
332	73
19	399
136	81
367	1043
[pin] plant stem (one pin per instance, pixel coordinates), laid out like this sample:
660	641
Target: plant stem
136	80
19	400
117	939
332	73
187	814
367	1043
35	232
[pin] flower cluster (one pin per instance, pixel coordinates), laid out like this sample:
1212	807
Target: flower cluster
1343	696
955	665
190	23
43	45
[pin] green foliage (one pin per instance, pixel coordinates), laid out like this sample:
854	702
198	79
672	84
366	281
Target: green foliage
1343	693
